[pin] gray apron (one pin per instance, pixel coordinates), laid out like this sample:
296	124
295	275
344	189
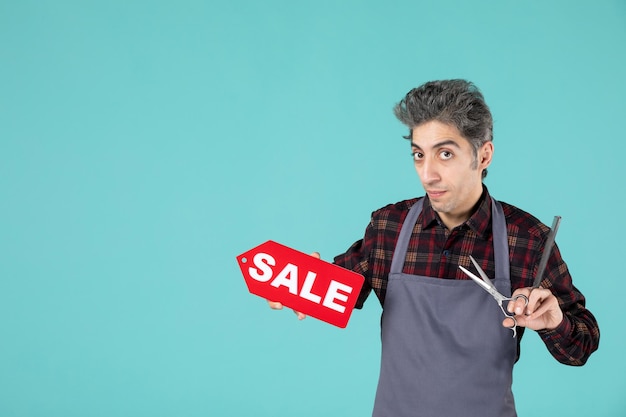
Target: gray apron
444	350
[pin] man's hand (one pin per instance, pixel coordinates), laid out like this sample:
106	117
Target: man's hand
274	305
542	311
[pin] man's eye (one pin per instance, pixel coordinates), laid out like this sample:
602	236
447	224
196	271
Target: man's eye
446	155
417	155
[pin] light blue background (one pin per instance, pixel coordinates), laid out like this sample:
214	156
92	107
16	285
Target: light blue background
145	144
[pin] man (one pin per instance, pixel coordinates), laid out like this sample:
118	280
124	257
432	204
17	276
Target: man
446	349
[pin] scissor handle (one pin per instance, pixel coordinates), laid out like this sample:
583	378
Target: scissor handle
502	301
514	326
512	316
518	296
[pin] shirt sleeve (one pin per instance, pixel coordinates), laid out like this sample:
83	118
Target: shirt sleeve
355	259
578	335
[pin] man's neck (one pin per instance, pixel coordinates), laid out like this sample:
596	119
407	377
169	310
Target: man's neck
452	220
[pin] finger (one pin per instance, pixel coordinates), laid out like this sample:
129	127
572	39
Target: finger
540	310
535	299
508	323
316	255
275	305
518	305
547	306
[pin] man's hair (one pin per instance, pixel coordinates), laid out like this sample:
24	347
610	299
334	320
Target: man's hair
458	103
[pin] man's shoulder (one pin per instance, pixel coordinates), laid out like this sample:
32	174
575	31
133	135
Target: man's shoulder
523	222
392	214
401	207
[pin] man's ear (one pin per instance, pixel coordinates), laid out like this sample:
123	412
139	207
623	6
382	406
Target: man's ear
485	154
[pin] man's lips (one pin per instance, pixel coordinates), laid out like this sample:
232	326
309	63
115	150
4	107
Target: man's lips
435	193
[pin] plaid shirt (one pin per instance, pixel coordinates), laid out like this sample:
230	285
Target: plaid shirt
441	251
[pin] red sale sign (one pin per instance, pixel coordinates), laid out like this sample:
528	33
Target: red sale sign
301	282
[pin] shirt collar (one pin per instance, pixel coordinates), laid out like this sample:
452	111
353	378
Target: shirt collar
479	221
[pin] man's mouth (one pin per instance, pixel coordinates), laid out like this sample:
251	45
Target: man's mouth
434	194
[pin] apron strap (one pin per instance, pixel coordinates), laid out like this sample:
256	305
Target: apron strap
399	254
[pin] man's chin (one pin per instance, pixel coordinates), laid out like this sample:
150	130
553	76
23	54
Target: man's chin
441	207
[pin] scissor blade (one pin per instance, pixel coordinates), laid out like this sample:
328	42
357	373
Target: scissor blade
482	273
543	262
477	280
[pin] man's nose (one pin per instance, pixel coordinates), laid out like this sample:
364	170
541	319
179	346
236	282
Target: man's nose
429	172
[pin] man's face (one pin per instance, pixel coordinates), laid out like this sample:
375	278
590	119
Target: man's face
449	171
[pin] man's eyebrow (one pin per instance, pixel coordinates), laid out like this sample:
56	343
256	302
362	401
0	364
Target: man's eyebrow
447	142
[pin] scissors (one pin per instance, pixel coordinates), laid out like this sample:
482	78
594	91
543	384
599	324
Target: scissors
488	286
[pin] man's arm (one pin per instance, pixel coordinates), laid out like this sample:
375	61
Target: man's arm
557	312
